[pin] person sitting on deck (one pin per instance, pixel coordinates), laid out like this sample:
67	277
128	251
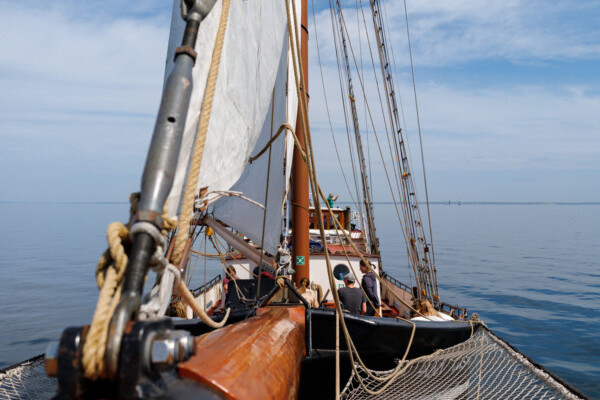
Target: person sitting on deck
369	284
352	298
308	294
428	313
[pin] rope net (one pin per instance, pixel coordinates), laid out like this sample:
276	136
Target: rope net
27	380
483	367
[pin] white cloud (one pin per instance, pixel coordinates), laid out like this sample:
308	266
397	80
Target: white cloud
81	83
456	32
86	63
519	126
80	86
498	128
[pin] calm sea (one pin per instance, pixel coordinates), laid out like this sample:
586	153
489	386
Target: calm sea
530	271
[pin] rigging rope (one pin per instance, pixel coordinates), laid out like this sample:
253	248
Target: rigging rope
313	181
404	225
416	243
327	109
412	68
192	180
317	192
264	221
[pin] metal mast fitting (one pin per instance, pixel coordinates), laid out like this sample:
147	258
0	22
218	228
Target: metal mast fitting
159	172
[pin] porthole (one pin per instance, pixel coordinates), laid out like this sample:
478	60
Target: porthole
340	271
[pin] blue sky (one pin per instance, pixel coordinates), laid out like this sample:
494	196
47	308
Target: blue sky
509	96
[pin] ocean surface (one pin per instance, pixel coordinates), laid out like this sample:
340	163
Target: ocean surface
530	271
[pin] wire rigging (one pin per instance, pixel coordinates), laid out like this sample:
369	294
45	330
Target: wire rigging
337	153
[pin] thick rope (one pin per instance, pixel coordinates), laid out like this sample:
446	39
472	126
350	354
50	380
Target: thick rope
192	181
109	274
109	277
188	297
213	196
269	143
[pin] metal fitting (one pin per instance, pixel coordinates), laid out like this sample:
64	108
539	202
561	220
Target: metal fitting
166	352
196	9
51	359
150	216
186	50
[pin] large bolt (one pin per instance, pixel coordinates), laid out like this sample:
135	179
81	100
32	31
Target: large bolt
185	344
166	352
51	359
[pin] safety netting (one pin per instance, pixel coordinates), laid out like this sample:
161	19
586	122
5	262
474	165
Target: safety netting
482	367
27	380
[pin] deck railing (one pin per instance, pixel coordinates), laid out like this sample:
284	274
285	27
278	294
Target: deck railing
207	286
396	282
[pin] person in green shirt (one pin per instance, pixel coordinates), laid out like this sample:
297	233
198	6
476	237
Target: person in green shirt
331	199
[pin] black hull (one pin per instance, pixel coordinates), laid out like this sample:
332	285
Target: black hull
379	341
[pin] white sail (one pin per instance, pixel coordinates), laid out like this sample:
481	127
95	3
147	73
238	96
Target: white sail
266	179
252	50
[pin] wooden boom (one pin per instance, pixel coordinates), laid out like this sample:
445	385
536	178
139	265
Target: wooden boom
258	358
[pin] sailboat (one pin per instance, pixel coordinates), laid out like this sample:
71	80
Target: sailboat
231	163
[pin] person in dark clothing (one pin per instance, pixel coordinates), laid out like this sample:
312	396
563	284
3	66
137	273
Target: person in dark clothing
352	298
369	284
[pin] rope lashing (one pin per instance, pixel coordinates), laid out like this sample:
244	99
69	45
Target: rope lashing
150	229
212	196
160	296
270	142
156	303
109	276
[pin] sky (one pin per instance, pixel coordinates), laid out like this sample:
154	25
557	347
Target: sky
508	94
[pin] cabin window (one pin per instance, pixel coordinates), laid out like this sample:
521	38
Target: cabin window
340	271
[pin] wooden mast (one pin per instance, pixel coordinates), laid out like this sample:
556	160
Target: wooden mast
300	204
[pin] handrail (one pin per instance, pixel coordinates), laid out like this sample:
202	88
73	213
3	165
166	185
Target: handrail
208	285
396	282
455	310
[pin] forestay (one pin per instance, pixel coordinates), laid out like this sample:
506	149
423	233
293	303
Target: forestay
250	91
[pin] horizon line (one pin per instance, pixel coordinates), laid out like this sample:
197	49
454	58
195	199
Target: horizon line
450	202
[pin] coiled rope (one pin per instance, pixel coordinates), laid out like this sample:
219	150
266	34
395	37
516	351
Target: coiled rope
109	277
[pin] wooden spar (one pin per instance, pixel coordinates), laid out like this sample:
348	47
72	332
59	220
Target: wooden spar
238	243
300	204
258	358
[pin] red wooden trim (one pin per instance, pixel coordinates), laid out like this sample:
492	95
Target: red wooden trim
258	358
